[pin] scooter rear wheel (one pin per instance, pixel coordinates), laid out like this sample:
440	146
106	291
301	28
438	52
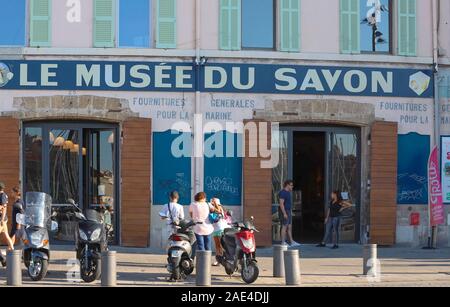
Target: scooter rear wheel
38	270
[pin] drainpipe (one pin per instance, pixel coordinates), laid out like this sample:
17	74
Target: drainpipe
197	133
437	113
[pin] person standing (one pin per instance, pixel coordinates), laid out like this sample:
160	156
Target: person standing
219	227
3	220
333	219
172	212
285	213
16	230
199	211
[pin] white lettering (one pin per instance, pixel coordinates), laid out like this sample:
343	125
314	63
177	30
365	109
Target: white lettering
331	79
280	75
160	76
109	76
236	73
362	81
88	76
209	77
46	74
312	80
135	72
181	76
24	76
386	84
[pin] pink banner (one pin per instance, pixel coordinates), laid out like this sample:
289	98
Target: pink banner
437	216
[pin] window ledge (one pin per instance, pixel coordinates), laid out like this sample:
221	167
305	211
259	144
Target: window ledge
20	53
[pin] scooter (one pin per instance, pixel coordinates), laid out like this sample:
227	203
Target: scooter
37	221
180	258
90	241
239	248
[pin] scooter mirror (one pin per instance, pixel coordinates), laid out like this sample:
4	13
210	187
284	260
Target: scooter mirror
54	226
71	201
20	218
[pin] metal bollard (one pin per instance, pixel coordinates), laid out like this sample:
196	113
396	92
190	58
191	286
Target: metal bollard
108	265
203	268
278	260
292	267
13	268
369	259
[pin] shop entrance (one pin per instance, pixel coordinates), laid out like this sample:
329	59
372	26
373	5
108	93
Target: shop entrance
319	160
308	173
73	160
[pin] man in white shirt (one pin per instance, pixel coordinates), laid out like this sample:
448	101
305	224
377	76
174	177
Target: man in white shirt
172	212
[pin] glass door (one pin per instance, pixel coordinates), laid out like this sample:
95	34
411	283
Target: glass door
73	160
99	175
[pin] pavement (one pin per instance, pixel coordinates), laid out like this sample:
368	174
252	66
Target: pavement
320	267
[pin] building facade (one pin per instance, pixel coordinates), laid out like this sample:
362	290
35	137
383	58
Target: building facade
107	102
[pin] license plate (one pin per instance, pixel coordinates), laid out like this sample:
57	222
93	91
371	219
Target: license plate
177	253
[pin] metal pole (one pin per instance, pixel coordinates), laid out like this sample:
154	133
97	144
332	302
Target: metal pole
369	259
292	267
278	260
108	265
203	268
13	268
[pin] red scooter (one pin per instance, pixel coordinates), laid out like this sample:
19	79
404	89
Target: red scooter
239	248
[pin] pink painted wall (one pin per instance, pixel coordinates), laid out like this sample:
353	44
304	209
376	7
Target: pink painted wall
424	28
68	35
186	24
319	26
210	24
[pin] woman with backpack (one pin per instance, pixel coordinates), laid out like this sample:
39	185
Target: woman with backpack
220	224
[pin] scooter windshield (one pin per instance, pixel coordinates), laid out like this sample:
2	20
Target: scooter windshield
94	216
37	209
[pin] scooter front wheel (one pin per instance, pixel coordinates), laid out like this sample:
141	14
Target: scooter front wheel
37	270
93	274
250	273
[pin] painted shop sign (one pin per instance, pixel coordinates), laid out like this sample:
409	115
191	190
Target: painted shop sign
222	78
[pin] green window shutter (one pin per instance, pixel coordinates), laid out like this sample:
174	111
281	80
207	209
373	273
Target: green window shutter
350	26
290	25
104	23
166	24
230	25
40	23
407	27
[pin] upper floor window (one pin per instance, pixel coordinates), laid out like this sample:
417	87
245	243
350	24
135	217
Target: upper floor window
134	23
366	26
375	25
258	23
13	22
251	24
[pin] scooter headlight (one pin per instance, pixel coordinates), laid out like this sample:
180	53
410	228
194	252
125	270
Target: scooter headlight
83	236
96	234
36	239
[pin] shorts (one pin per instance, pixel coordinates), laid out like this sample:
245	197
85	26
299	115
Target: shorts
3	227
217	233
283	221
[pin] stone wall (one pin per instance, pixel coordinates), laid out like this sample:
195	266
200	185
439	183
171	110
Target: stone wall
71	107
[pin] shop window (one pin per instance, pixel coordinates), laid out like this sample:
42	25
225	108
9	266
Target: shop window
13	23
375	25
134	23
32	145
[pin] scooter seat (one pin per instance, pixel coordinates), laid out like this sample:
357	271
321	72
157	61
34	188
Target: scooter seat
184	237
229	232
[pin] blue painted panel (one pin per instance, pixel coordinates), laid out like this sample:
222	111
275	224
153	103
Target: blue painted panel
222	172
170	172
413	154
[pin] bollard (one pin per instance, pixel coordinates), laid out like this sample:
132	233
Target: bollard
278	260
108	265
369	259
292	267
203	268
13	268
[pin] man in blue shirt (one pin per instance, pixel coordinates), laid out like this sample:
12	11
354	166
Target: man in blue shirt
285	213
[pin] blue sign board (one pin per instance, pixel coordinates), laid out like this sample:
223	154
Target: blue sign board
223	173
170	172
412	180
215	77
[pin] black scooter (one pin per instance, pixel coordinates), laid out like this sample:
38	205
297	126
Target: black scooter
90	241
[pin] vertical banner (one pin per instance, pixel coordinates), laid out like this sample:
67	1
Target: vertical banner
435	190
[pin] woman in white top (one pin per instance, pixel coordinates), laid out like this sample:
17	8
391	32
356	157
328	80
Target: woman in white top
219	227
199	211
173	212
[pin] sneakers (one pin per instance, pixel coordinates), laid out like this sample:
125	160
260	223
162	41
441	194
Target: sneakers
215	263
321	245
295	244
335	246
